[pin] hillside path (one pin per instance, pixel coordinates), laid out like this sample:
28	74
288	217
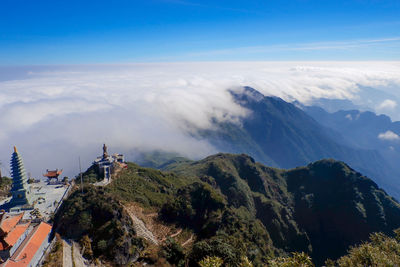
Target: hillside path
141	229
67	254
188	241
77	257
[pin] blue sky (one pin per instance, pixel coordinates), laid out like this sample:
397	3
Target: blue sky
83	32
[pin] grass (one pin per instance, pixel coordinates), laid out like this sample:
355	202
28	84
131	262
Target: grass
149	187
55	257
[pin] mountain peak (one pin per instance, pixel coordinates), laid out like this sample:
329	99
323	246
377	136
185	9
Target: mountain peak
247	94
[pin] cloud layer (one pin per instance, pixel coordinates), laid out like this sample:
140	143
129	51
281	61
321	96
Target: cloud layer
57	113
389	136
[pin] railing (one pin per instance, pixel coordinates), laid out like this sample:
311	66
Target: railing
54	240
65	195
47	251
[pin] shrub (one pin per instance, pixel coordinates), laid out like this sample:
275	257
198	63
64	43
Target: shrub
219	247
296	260
380	251
211	262
99	221
173	252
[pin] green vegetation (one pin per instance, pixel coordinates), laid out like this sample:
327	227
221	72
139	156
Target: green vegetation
381	250
296	260
239	211
149	187
293	208
211	262
55	257
91	175
5	186
5	182
173	252
194	206
96	219
159	159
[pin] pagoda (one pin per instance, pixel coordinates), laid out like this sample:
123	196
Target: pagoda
21	195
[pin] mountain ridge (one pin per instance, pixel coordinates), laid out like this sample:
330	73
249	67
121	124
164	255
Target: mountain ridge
231	206
291	196
282	135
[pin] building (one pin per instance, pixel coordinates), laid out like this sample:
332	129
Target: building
24	234
106	164
20	190
13	230
52	176
31	249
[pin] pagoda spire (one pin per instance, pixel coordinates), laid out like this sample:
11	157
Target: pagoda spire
19	190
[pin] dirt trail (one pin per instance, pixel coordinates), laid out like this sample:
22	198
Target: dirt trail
188	241
177	233
173	235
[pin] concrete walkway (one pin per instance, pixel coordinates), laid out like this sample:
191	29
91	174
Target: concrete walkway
67	254
77	257
141	229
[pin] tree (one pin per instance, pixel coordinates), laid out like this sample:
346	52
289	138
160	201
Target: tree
211	262
102	245
173	252
246	262
298	259
381	250
86	244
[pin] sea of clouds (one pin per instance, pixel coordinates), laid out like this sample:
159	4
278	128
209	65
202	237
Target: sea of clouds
56	114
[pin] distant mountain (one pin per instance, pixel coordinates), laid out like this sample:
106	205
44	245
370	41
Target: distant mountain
368	99
360	128
280	134
333	105
158	159
369	131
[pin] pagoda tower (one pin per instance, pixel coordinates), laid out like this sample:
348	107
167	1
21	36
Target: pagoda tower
21	195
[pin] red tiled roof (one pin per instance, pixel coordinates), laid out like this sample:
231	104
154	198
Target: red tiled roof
24	254
53	173
16	233
8	222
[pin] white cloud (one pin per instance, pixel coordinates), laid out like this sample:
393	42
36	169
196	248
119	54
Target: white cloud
387	104
302	47
389	136
57	113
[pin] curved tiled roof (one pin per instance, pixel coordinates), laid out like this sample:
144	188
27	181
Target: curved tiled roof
25	253
16	233
53	173
8	222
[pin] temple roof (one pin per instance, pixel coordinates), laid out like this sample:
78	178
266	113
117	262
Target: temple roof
53	173
8	222
25	253
16	233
